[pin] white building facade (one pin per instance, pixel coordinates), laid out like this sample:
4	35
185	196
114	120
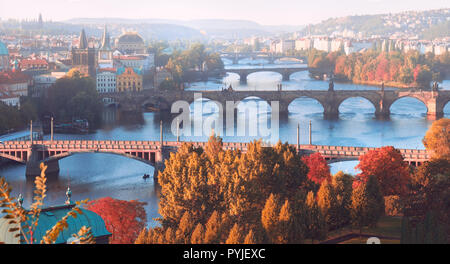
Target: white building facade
106	81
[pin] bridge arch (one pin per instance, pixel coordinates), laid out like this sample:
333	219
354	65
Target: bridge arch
408	104
276	73
312	105
360	104
151	156
446	109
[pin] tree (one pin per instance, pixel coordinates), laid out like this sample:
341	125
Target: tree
367	203
285	224
198	234
212	233
315	223
185	228
250	238
342	184
270	218
319	170
326	200
124	219
235	235
437	139
388	166
429	191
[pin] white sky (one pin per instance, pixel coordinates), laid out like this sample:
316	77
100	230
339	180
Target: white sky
267	12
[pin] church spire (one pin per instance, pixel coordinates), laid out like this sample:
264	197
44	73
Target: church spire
105	42
83	40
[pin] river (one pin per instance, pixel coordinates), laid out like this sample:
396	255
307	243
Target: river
98	175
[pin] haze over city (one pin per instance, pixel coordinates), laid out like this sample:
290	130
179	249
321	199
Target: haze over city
287	12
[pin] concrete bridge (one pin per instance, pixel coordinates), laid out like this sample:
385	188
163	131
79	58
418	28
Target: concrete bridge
155	152
285	72
435	101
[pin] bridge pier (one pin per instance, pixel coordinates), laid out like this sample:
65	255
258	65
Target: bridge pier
34	162
243	78
286	76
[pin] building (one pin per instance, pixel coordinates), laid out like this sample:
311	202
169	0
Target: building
43	81
303	44
84	57
34	65
50	216
282	46
145	62
323	44
4	57
129	79
131	43
8	97
15	82
106	80
105	53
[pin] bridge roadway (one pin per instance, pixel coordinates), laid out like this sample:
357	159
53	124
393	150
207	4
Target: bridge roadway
235	57
154	153
435	101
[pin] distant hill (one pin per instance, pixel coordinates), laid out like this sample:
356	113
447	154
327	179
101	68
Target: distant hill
193	28
410	22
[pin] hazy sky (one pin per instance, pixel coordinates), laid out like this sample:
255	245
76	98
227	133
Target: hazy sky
268	12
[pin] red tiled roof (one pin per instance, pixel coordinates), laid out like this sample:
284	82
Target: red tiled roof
11	77
128	57
107	70
27	62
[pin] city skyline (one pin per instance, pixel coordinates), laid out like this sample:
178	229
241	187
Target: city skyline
285	12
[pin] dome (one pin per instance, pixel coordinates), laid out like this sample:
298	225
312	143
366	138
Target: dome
50	216
3	49
131	37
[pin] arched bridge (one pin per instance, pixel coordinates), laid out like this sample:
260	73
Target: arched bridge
382	101
155	152
271	58
285	72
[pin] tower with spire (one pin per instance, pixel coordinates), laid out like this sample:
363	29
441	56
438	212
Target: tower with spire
105	53
84	58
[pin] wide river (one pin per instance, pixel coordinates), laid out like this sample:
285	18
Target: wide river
98	175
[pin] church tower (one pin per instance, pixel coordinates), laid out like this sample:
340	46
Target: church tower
105	54
84	58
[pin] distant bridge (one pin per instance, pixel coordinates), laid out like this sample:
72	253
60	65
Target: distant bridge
155	152
435	101
270	57
285	72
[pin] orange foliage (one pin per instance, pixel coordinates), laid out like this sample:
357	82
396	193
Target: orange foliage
388	166
124	219
319	170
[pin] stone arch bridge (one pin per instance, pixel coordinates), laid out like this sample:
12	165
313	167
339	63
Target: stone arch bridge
285	72
435	101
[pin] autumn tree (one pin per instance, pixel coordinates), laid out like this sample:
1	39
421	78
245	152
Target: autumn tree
315	223
198	234
327	202
185	228
286	231
250	238
319	170
212	233
342	184
124	219
388	166
235	235
367	203
270	218
437	139
429	191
